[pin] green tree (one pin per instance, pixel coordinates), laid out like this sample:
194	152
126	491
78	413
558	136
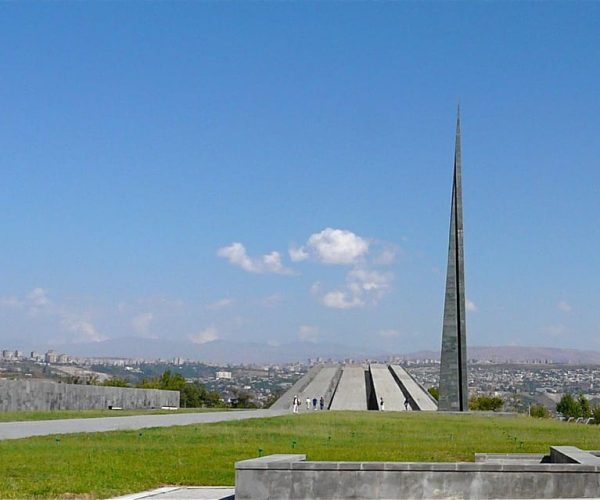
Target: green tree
192	394
167	381
243	399
486	403
116	382
539	411
568	406
584	405
213	399
596	414
435	393
172	381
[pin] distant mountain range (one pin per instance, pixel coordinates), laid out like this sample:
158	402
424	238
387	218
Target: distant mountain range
224	352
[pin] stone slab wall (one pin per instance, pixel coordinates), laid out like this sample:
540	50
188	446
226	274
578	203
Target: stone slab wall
289	476
22	395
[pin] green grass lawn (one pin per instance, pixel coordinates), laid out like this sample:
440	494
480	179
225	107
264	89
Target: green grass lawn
111	463
19	416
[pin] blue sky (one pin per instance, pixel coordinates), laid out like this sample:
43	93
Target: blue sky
141	141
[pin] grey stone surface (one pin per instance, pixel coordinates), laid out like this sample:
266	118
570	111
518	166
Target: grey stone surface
418	396
318	382
21	395
267	479
184	492
17	430
351	393
385	386
572	455
285	401
453	370
319	386
346	388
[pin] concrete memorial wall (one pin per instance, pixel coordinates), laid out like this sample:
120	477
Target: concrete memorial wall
22	395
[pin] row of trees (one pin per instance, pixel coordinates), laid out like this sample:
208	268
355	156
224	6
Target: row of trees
192	394
568	406
576	407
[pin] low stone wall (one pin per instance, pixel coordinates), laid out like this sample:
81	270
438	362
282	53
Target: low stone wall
289	476
21	395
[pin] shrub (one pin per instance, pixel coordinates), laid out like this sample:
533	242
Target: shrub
539	411
486	403
435	393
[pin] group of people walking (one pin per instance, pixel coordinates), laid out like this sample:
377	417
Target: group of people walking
314	402
320	403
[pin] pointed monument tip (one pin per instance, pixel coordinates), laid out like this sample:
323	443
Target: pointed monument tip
458	121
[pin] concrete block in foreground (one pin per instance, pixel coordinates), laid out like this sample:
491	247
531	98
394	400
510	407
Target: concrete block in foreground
278	477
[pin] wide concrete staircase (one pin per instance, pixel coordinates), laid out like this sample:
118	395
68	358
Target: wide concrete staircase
359	387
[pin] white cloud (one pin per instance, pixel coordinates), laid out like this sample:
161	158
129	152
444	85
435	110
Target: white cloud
268	263
38	297
220	304
564	306
389	334
363	286
141	323
470	306
10	303
308	333
341	300
369	281
337	246
273	300
387	256
84	330
298	254
68	319
209	334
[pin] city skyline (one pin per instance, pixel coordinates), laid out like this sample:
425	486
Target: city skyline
277	174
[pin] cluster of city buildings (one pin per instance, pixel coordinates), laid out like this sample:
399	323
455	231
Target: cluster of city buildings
539	380
50	356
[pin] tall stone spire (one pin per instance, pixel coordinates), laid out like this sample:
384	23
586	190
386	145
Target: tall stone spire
454	394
